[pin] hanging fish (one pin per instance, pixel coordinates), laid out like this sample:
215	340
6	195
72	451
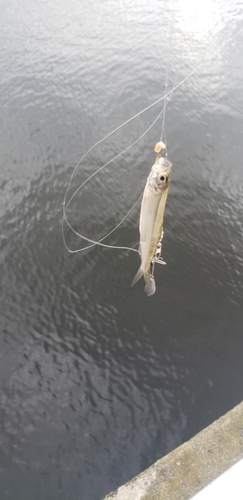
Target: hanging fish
151	220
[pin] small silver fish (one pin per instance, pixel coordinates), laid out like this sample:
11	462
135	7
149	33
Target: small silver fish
151	221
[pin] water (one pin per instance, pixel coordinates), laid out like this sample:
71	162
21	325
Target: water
98	380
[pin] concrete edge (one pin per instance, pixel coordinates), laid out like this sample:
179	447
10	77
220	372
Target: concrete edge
192	466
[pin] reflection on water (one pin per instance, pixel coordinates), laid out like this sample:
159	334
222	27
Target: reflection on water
97	380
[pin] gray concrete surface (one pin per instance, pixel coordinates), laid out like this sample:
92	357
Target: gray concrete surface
190	467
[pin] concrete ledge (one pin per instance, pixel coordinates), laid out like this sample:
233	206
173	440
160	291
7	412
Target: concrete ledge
190	467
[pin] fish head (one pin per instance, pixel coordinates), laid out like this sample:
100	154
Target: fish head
159	177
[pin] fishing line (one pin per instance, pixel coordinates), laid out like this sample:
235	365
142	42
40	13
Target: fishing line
167	99
94	243
162	133
157	101
66	205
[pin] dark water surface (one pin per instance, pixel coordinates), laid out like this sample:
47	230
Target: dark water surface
97	380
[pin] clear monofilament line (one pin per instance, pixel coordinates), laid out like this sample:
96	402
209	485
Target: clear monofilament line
162	133
166	100
65	206
164	105
94	243
164	97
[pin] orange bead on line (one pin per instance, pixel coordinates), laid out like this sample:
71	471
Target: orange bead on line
160	145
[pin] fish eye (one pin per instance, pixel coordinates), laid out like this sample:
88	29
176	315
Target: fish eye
162	178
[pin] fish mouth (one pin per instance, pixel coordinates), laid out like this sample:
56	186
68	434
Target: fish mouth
165	162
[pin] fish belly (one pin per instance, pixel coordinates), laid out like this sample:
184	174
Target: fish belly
149	208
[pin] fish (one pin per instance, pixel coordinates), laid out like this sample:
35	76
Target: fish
151	221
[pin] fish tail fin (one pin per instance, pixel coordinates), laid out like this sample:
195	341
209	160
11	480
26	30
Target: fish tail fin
150	287
137	276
